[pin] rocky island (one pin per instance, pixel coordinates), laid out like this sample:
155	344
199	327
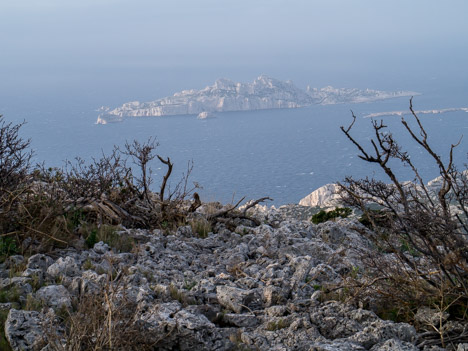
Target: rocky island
225	95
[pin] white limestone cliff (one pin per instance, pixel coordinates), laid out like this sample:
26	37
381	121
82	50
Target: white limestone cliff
332	96
225	95
325	196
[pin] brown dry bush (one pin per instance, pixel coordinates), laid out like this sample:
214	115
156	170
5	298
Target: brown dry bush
15	157
45	208
423	227
104	320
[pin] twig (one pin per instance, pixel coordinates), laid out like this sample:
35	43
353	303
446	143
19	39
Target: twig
254	203
47	235
225	211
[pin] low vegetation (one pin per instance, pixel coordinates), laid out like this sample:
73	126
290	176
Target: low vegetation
45	208
99	321
338	212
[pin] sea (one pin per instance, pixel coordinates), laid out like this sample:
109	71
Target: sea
284	153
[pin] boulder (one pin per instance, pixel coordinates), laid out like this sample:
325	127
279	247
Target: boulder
23	330
55	296
64	266
234	299
39	261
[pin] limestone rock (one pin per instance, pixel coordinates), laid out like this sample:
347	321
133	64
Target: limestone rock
234	299
64	267
173	327
428	317
23	330
101	248
54	296
39	261
325	196
380	331
240	320
394	345
14	261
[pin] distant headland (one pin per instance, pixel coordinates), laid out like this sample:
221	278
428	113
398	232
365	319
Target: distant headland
225	95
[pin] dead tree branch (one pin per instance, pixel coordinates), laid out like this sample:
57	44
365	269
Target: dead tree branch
169	165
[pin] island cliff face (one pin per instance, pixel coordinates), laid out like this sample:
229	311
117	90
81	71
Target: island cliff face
226	95
325	196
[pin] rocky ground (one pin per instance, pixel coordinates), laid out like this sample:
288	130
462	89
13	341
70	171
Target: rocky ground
252	288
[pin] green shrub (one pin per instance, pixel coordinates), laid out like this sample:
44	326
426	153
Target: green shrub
4	344
92	239
8	247
323	216
201	227
10	294
107	234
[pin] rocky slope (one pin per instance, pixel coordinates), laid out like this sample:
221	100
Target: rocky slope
226	95
248	288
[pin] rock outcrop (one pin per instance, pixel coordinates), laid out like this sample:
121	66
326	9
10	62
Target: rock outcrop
325	196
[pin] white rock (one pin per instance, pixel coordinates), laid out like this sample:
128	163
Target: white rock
63	267
54	296
205	115
325	196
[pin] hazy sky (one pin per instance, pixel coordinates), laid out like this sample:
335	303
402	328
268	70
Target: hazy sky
330	40
62	59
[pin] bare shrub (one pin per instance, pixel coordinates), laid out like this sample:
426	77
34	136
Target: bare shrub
423	226
48	207
169	205
45	208
101	177
100	321
15	157
108	192
142	154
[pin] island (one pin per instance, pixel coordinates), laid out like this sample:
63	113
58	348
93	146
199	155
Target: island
225	95
417	112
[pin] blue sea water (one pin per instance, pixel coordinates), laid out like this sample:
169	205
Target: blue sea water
284	154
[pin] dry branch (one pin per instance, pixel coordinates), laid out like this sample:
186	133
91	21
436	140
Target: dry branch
255	203
169	165
419	224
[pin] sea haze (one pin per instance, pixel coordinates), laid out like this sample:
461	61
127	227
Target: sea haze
62	60
284	154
